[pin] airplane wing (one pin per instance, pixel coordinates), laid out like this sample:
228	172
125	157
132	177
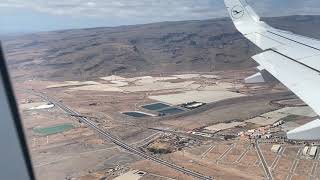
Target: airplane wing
15	160
293	59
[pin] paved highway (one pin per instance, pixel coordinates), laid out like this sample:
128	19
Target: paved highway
119	142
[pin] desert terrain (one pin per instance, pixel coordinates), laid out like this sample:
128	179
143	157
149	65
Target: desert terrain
173	91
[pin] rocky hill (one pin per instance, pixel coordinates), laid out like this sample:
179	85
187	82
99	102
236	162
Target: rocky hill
206	45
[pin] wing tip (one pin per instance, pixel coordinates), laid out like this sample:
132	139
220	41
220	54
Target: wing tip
309	131
242	14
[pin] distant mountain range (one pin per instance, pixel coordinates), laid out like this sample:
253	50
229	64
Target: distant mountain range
206	45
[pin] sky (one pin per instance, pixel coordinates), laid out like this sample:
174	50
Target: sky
24	16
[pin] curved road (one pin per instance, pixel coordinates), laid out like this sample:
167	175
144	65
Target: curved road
119	142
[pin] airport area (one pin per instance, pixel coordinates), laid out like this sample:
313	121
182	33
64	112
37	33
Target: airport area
211	124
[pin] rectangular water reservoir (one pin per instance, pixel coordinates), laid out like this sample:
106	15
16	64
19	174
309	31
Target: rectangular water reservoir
53	129
136	114
171	111
155	106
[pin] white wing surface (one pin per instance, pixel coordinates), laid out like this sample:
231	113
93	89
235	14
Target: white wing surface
293	59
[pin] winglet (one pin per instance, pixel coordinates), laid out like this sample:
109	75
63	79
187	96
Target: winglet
309	131
244	17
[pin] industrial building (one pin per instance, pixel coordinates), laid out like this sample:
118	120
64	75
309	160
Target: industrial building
305	151
193	105
276	148
313	151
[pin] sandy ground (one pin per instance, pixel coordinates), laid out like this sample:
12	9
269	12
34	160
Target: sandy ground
223	126
236	111
31	105
274	116
268	118
199	96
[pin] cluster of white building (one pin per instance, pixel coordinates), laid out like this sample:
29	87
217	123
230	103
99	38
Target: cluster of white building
277	124
200	134
310	151
263	132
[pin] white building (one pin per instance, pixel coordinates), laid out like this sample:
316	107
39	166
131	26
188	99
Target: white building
313	151
305	150
276	148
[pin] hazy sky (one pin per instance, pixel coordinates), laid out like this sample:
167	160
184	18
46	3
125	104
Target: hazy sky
46	15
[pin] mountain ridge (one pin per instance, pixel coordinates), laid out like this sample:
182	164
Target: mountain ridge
165	47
